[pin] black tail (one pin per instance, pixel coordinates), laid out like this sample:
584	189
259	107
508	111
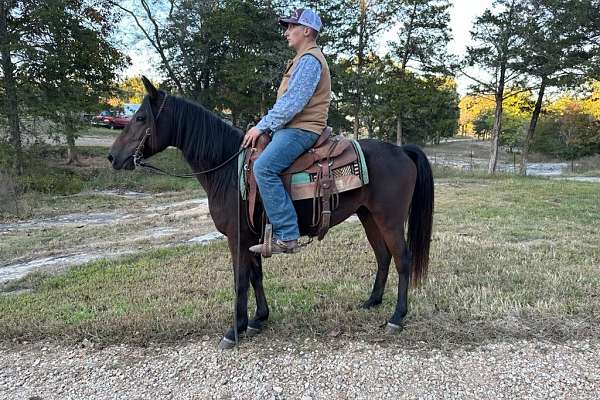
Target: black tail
421	214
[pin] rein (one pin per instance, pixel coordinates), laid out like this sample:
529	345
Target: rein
138	158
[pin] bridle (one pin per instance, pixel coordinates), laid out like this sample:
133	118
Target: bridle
138	156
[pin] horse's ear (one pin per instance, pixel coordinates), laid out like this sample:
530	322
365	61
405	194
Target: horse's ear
152	92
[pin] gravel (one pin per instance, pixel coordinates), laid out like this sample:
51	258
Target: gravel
309	369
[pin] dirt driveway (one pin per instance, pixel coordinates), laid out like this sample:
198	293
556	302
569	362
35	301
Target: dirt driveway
307	369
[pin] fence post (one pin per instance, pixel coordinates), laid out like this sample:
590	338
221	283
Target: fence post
472	166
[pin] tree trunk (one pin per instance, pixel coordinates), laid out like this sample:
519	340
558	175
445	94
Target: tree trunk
356	124
399	138
497	130
70	133
72	155
531	130
10	88
370	128
406	52
362	25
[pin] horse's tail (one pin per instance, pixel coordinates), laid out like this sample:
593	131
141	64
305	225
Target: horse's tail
421	214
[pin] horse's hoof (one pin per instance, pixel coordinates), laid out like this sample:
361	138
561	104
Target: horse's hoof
251	332
369	304
392	329
226	344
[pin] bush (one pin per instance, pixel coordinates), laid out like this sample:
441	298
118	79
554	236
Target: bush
55	181
547	138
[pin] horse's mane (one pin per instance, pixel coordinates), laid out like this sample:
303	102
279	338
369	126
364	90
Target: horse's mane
203	136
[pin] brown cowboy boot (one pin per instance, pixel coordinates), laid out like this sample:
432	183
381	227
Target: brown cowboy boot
276	247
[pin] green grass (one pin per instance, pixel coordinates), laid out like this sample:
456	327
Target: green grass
47	182
511	258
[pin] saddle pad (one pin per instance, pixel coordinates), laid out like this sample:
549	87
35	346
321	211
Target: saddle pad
348	177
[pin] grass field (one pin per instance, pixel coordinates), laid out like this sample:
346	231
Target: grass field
49	186
511	258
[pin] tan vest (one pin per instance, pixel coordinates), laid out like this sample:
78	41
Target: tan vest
314	115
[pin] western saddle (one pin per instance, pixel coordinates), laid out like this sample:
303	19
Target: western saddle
323	163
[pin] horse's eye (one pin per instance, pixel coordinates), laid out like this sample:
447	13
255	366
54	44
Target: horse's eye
140	118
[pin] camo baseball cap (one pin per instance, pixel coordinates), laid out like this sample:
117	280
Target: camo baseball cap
303	16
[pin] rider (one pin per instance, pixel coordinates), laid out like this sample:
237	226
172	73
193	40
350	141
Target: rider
295	121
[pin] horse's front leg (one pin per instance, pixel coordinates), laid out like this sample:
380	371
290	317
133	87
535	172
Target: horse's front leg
257	323
241	273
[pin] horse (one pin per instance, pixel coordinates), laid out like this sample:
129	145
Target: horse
398	199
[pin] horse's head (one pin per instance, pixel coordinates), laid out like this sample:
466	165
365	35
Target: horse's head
147	133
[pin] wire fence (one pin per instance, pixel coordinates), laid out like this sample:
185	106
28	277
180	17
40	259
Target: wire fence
511	164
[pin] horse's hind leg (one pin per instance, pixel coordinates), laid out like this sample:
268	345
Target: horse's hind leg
402	259
382	255
392	230
256	324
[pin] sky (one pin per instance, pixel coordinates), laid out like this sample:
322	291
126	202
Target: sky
462	15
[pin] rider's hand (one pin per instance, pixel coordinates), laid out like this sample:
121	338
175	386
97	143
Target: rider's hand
251	137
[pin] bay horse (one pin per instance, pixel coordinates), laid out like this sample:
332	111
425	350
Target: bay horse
398	198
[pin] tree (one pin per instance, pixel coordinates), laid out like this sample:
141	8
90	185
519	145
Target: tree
443	107
591	104
575	125
483	123
74	65
132	90
150	26
496	52
471	108
422	39
560	49
354	31
57	61
10	43
227	55
252	59
430	105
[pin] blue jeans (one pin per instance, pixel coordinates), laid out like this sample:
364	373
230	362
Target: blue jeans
285	147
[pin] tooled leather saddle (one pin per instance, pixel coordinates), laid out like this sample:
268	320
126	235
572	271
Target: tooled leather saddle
322	172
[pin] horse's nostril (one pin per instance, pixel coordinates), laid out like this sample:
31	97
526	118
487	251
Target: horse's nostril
110	158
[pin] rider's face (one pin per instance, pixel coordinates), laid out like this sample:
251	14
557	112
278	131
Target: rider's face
296	35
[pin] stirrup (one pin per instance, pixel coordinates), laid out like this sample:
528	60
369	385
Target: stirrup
266	250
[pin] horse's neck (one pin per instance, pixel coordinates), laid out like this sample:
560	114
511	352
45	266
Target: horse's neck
213	183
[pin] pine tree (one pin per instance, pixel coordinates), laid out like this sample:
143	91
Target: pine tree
560	50
422	42
498	42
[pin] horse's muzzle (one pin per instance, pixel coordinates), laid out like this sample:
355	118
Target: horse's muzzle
125	164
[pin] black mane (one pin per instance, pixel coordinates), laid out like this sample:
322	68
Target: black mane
203	137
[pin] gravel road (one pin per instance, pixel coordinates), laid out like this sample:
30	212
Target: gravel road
310	369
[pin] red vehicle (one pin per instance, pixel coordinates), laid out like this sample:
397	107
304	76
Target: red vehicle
111	119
